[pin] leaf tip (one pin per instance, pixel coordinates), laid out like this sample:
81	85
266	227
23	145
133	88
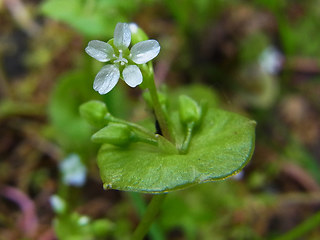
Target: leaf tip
107	186
254	123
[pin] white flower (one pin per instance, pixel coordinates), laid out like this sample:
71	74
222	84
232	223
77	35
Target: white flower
73	171
58	204
271	60
122	60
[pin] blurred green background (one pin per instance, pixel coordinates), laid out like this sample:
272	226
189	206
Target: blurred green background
260	58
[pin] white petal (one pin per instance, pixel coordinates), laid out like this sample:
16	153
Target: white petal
132	75
133	27
106	79
122	36
99	50
143	52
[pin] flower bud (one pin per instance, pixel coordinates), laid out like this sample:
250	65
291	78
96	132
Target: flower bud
115	133
94	112
189	110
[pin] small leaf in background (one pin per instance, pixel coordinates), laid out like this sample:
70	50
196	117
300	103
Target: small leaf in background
91	17
72	131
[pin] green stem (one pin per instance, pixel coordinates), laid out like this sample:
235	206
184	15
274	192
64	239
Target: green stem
186	142
147	140
140	205
160	115
111	118
149	216
302	229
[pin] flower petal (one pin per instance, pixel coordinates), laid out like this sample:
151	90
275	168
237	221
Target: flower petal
133	27
106	79
99	50
132	75
143	52
122	36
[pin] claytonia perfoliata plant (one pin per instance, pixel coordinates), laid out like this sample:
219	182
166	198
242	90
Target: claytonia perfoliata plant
194	142
123	63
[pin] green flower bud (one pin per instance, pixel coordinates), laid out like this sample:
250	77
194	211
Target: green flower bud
115	133
189	110
137	34
94	112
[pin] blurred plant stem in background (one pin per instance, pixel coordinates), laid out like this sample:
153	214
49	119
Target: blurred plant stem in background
22	16
302	229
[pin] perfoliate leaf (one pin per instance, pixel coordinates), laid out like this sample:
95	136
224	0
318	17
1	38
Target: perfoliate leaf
220	148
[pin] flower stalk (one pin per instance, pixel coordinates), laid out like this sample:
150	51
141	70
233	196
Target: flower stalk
109	118
149	216
160	115
186	143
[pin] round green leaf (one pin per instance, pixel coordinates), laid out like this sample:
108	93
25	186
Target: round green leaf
219	149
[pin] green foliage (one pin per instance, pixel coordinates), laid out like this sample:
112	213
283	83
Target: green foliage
252	46
297	153
90	17
295	33
76	227
198	92
72	90
73	226
68	94
206	210
297	37
220	148
273	5
200	10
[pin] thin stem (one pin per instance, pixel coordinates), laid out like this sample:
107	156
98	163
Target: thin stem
111	118
302	229
149	216
146	140
160	115
4	85
155	231
10	108
186	142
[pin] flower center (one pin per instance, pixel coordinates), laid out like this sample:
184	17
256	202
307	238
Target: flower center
121	59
